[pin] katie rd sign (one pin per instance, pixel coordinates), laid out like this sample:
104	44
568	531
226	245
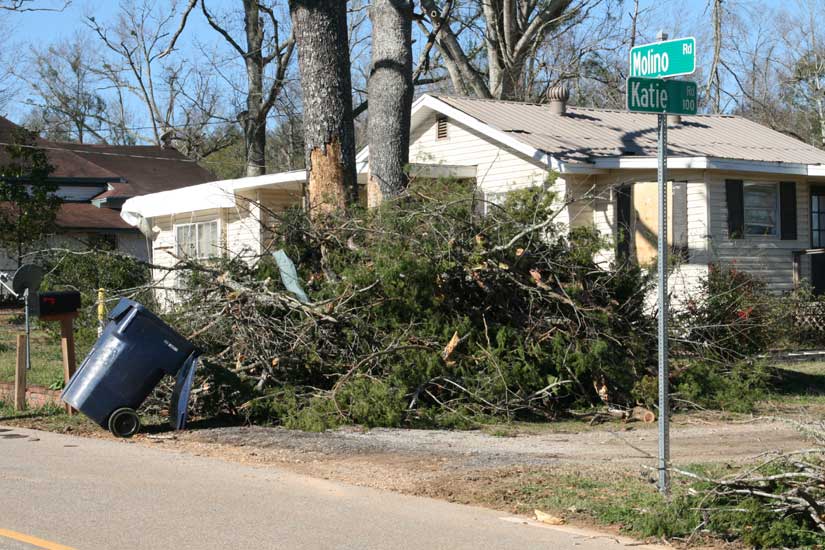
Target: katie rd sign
653	95
662	59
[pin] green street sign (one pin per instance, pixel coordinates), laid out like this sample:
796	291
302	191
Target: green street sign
661	59
654	95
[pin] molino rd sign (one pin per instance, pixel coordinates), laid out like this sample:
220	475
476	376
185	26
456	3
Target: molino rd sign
654	95
662	59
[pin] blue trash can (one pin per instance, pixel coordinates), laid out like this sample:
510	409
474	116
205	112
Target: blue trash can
135	350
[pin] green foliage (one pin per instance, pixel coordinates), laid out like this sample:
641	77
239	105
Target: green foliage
28	197
733	317
694	509
736	388
90	270
536	325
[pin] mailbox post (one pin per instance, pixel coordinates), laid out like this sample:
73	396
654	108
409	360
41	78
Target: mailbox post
62	307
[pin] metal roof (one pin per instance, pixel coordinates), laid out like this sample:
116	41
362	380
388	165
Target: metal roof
585	134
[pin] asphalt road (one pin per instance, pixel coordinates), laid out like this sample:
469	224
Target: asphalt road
67	493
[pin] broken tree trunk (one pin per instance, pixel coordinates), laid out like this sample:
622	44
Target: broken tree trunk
320	29
390	91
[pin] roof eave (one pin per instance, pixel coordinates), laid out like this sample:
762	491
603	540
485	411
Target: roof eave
709	163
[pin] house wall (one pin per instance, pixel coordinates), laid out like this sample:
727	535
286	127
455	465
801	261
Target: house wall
245	233
684	278
768	258
499	169
135	244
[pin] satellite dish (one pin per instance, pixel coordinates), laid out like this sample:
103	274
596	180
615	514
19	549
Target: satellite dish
27	277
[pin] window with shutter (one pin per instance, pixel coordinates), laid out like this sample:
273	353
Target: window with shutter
679	219
787	210
760	208
736	207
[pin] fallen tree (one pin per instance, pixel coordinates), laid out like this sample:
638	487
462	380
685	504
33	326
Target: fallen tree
779	501
425	311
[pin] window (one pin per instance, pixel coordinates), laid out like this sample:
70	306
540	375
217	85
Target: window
761	208
679	219
197	240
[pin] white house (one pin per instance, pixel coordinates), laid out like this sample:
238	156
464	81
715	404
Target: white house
739	192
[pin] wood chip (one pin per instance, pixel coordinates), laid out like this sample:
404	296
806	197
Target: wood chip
549	519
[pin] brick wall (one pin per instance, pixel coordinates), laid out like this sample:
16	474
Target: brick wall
36	396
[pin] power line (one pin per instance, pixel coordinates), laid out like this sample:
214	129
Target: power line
165	126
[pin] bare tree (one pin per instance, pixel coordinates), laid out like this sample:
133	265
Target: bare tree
181	101
713	88
512	31
70	104
320	29
258	53
390	92
34	5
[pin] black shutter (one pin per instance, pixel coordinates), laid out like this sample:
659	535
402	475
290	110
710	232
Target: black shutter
787	210
736	208
623	213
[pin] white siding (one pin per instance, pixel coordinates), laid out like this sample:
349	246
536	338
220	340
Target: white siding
768	258
164	252
498	168
683	279
244	233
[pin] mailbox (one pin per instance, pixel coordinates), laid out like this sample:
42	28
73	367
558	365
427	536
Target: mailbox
57	303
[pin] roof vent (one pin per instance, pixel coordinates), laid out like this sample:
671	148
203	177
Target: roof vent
558	96
441	127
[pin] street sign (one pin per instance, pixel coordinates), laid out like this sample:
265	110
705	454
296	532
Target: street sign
662	59
654	95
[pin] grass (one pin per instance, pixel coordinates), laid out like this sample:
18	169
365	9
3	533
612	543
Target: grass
630	503
799	384
46	355
624	500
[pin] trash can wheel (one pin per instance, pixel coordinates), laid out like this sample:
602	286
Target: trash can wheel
124	422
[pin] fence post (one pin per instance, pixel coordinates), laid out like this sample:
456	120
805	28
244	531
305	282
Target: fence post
797	268
67	347
20	375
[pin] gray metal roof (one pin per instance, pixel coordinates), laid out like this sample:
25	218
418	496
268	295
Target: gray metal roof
583	134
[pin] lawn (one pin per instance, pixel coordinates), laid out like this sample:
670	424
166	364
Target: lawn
46	357
798	385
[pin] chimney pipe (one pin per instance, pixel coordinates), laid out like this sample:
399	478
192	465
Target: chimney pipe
558	96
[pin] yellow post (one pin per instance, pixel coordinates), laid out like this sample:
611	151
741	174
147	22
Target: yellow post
101	310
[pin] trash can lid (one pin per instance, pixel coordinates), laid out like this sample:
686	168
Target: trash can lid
122	307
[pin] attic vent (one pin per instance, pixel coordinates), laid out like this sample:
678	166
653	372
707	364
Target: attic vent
441	127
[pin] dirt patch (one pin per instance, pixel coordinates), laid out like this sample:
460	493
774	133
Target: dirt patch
458	465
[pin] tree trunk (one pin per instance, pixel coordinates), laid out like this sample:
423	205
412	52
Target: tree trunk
320	28
390	92
254	131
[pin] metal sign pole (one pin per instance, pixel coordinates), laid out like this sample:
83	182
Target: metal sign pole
664	410
27	299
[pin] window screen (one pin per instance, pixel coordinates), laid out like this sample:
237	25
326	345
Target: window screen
198	240
761	208
187	244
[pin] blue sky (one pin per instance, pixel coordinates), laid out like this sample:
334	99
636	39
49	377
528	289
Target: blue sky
678	17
